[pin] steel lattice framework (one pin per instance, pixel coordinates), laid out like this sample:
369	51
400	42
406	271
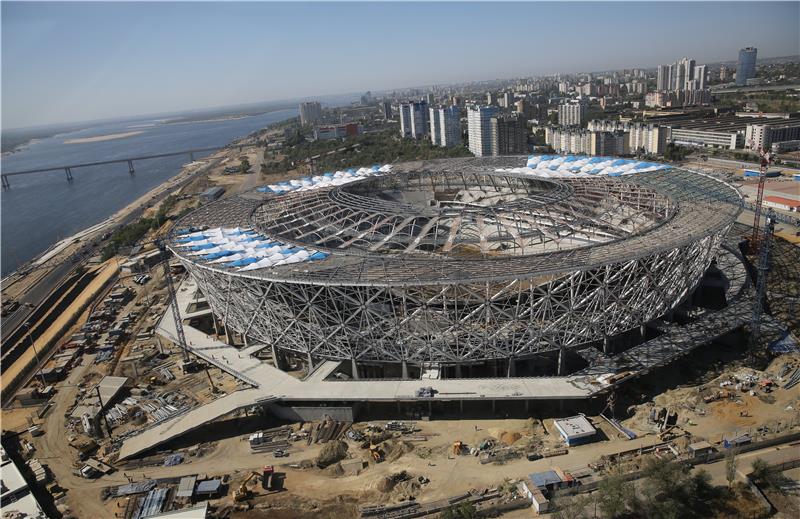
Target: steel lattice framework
453	261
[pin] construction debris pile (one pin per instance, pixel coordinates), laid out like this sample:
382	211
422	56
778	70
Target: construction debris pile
732	397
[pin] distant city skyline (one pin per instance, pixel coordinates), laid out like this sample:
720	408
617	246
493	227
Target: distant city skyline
65	62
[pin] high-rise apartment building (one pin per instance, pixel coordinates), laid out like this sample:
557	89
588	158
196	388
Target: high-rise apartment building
571	114
746	66
663	78
419	119
522	107
310	112
436	127
414	119
405	120
641	137
682	75
491	98
700	77
509	134
386	109
479	129
445	126
607	143
688	69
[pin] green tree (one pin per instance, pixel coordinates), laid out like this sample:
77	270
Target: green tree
730	467
671	491
573	507
462	511
244	165
764	475
615	494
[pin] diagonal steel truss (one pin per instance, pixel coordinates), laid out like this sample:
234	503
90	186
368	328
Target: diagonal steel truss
452	323
449	261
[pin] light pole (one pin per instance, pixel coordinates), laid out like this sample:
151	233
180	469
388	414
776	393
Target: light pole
27	326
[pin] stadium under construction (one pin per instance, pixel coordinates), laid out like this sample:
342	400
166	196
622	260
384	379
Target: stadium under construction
446	282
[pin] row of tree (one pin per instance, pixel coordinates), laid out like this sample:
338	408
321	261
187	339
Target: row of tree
666	490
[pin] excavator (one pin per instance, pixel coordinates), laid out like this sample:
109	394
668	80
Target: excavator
243	493
459	448
376	453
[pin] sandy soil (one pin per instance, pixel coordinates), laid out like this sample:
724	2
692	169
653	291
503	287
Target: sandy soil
101	138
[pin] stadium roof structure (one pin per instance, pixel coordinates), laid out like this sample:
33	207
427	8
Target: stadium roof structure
458	220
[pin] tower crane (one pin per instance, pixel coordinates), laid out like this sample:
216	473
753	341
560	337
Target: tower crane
766	160
761	282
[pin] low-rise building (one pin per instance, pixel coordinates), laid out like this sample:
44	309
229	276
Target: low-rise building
783	203
575	429
211	194
15	494
530	491
337	131
764	135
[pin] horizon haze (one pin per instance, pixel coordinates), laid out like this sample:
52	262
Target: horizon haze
69	62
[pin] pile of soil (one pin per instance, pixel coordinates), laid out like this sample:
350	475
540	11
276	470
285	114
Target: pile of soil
496	433
407	489
399	483
331	453
395	449
510	438
334	470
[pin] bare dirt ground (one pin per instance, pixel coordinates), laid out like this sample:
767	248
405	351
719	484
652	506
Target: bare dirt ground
738	413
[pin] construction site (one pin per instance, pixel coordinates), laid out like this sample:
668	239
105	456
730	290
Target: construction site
410	340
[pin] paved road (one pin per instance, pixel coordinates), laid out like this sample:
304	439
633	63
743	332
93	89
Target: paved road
746	89
35	295
771	455
744	165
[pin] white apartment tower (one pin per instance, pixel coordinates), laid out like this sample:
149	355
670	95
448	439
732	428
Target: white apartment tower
571	114
436	126
450	126
405	120
480	130
310	112
700	76
414	119
688	70
663	78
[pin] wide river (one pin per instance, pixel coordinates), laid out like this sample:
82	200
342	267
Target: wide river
42	208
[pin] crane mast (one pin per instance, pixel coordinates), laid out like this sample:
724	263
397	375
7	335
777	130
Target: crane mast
176	314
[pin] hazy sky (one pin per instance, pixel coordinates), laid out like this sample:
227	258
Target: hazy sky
73	62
